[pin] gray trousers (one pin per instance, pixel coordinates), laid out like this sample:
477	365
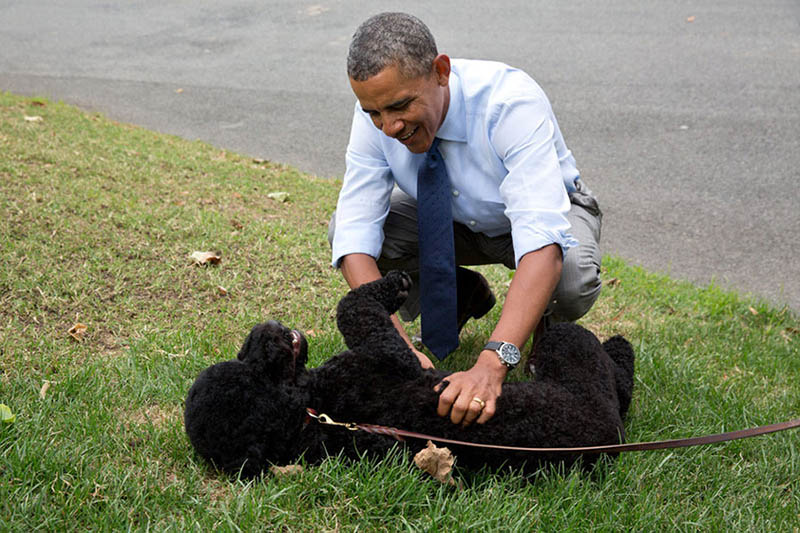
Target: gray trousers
576	291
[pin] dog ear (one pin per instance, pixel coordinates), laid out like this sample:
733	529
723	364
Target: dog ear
267	353
255	345
245	349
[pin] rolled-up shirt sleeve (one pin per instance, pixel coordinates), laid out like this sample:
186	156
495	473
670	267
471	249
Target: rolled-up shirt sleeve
365	196
523	136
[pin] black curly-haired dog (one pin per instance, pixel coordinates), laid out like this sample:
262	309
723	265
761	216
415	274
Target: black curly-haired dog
248	413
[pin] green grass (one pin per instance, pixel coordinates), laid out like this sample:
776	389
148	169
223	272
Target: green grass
99	220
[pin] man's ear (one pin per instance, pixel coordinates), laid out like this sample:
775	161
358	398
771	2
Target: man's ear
441	68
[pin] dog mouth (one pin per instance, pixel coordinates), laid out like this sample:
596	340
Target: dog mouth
299	349
297	342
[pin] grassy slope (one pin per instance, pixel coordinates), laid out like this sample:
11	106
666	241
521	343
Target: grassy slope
99	222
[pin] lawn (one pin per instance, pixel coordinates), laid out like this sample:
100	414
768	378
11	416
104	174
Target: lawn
100	220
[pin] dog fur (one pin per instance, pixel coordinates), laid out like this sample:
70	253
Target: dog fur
246	414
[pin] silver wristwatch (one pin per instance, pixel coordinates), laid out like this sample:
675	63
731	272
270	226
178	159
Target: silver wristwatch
507	353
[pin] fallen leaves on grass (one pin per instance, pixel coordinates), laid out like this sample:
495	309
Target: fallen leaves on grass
205	258
279	196
77	331
788	334
285	471
44	389
35	118
6	416
613	282
438	462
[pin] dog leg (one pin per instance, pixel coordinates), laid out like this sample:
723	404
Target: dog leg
363	317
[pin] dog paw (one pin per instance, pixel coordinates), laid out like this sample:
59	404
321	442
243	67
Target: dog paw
401	282
390	291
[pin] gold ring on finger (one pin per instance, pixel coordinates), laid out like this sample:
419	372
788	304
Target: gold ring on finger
480	402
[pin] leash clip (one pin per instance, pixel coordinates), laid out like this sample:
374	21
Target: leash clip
322	418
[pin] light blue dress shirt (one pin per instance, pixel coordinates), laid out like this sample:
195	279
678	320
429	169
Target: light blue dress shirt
508	164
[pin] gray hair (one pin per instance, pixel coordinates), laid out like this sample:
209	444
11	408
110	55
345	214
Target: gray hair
391	39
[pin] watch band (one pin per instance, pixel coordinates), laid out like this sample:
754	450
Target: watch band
510	360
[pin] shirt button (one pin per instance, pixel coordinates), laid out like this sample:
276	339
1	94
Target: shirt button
455	192
472	222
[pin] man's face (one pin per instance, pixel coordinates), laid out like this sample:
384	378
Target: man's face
407	109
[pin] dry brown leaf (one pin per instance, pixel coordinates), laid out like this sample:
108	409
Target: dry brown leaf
222	290
36	118
436	461
205	258
613	282
44	389
279	196
78	331
38	103
753	311
789	333
288	470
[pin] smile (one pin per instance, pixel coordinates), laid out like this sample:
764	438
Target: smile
408	136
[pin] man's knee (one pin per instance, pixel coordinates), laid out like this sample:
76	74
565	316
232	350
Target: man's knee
579	286
571	307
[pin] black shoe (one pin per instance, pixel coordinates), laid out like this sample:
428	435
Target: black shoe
475	297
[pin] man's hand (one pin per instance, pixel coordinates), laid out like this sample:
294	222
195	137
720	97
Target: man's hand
483	381
536	277
423	359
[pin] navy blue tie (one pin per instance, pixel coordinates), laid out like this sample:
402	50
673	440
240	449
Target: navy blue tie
437	263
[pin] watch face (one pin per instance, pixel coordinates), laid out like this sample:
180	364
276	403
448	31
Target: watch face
510	354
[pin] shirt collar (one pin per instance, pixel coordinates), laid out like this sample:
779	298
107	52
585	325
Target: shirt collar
454	127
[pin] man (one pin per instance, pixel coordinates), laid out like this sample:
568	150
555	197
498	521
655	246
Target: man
513	190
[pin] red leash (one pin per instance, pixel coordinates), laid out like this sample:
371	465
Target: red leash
612	448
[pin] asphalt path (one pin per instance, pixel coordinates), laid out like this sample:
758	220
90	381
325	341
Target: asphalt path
684	117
